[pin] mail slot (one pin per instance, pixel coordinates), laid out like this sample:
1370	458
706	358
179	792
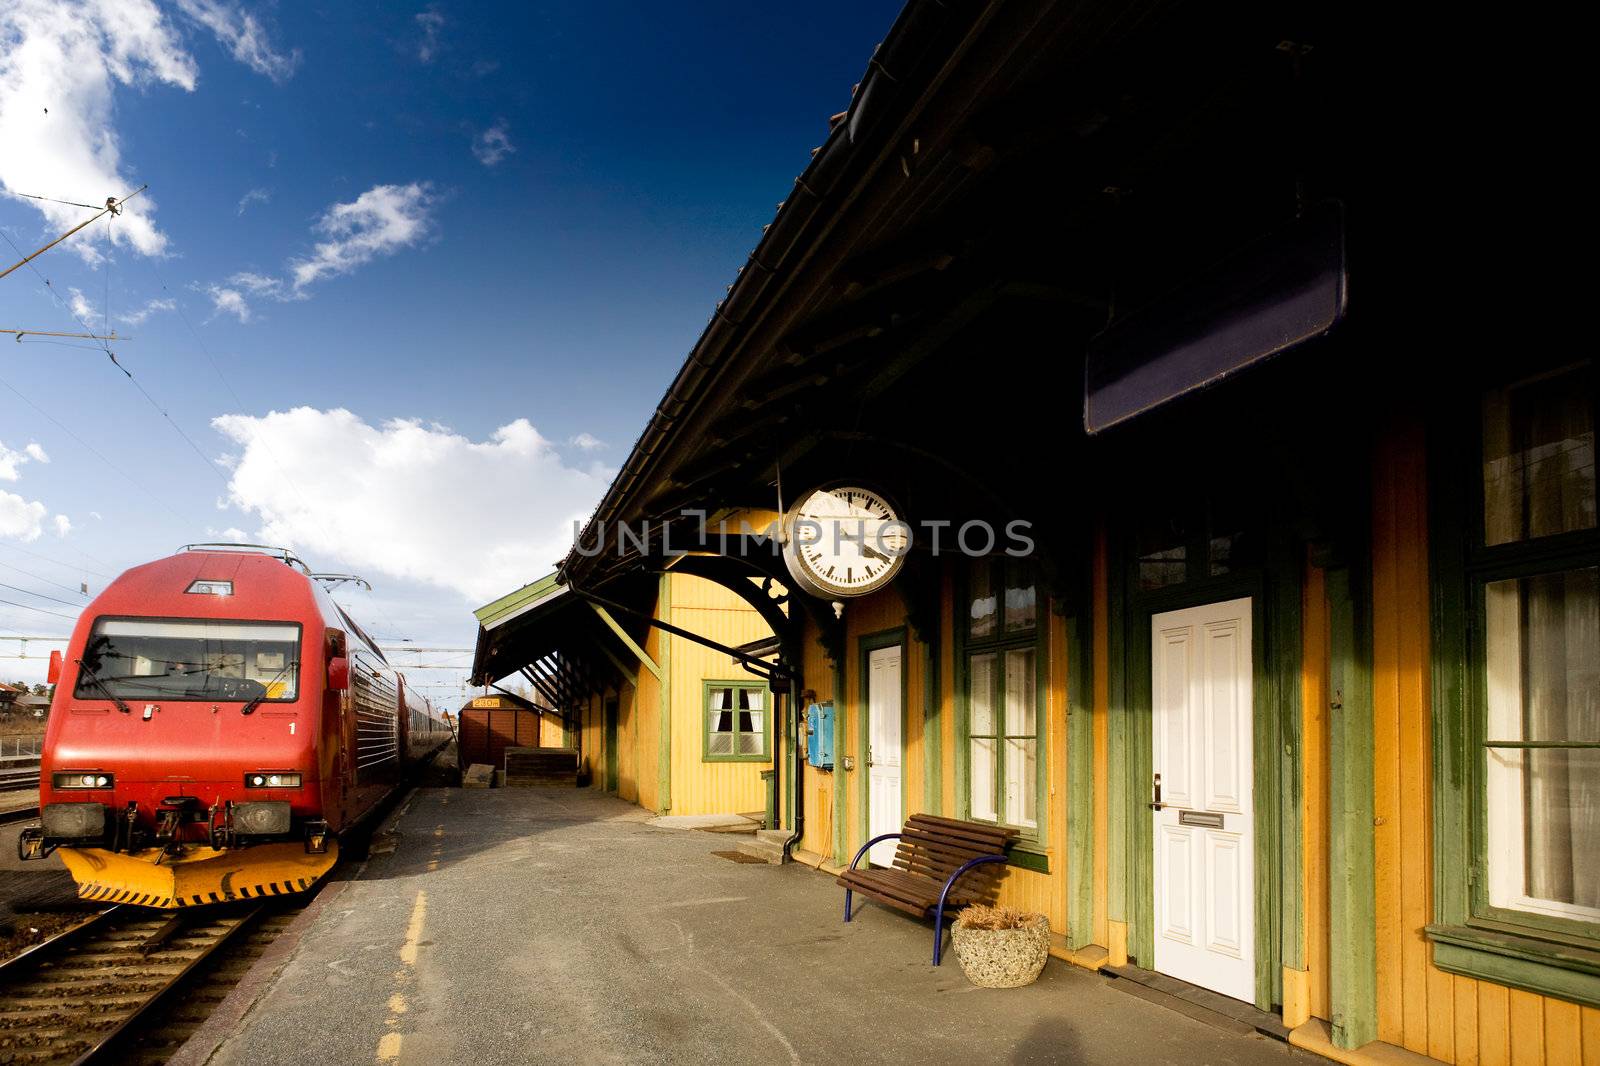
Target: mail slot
1201	818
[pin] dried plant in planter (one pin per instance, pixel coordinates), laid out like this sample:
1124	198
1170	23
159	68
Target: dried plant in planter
1001	947
981	916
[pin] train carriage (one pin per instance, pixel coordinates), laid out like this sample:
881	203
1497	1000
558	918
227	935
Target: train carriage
219	723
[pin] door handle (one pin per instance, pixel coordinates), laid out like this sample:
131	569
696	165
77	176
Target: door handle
1156	804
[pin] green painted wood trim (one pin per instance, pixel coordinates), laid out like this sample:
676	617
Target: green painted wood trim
1285	650
1562	970
865	645
932	724
1267	765
663	692
628	641
1024	859
1080	777
706	685
841	705
1352	962
1119	824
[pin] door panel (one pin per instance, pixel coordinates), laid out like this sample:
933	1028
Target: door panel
884	813
1201	752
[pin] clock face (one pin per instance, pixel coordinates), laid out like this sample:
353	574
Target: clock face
844	541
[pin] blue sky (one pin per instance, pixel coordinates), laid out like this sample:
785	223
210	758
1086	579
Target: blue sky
441	219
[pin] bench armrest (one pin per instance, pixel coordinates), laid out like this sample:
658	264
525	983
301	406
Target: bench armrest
938	916
868	844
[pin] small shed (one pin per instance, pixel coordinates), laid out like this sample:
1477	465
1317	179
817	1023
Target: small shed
490	724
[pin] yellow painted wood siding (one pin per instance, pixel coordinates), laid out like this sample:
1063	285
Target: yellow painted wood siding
698	786
817	785
1314	786
1450	1018
1102	732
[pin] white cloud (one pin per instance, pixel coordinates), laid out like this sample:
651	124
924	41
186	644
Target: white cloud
400	500
62	63
381	221
228	301
431	23
587	442
94	317
62	524
243	35
493	144
96	516
21	519
254	196
11	462
150	307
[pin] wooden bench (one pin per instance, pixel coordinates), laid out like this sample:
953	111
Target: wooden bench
933	854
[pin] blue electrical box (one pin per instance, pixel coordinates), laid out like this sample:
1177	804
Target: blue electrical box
819	742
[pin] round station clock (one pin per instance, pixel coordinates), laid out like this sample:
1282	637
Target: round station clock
843	541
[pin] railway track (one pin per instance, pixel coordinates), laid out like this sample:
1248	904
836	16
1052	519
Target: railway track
130	984
19	814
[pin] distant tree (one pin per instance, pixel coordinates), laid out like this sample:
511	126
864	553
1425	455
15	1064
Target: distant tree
42	689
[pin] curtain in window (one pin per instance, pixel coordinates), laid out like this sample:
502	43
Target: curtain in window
1538	458
1021	740
982	729
1544	689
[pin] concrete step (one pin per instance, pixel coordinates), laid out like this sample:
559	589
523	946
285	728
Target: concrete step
767	845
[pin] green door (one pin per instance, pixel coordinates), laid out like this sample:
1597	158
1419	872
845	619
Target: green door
611	744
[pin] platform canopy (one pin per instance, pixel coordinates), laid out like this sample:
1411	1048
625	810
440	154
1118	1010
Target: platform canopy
554	640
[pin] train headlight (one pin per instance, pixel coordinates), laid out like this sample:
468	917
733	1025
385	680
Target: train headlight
268	779
78	779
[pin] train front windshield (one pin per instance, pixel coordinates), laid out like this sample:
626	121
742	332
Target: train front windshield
190	659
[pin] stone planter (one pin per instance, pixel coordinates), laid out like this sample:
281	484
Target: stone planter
1002	958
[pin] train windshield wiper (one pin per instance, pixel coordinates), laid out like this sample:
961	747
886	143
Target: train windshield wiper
255	701
99	682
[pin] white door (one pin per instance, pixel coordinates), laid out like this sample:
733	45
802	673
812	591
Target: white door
884	813
1204	827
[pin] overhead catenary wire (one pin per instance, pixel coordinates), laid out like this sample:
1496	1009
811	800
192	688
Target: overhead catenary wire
42	596
49	287
41	577
74	567
41	610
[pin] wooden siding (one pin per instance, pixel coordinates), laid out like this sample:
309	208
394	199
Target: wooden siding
1100	592
1314	787
1421	1008
698	786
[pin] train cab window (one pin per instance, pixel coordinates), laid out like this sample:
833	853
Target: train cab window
190	659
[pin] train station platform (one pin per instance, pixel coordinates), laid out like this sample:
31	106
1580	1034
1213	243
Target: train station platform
545	925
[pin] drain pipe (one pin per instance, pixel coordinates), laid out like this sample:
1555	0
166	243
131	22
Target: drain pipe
798	781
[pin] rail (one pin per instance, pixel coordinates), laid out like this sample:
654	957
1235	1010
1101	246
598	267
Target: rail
123	985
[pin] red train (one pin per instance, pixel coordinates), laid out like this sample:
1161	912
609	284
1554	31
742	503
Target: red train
218	722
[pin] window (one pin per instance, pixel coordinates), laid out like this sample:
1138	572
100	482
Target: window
1541	647
189	659
1524	906
1002	697
736	721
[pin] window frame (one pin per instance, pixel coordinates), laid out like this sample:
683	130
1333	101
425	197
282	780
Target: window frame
1031	839
706	754
1538	952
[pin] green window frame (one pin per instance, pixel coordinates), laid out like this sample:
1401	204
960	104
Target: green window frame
727	711
1495	587
1005	646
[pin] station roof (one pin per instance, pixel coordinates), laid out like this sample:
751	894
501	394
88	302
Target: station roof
1008	180
514	604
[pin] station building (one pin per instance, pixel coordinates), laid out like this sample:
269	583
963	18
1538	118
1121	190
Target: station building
672	724
1293	692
